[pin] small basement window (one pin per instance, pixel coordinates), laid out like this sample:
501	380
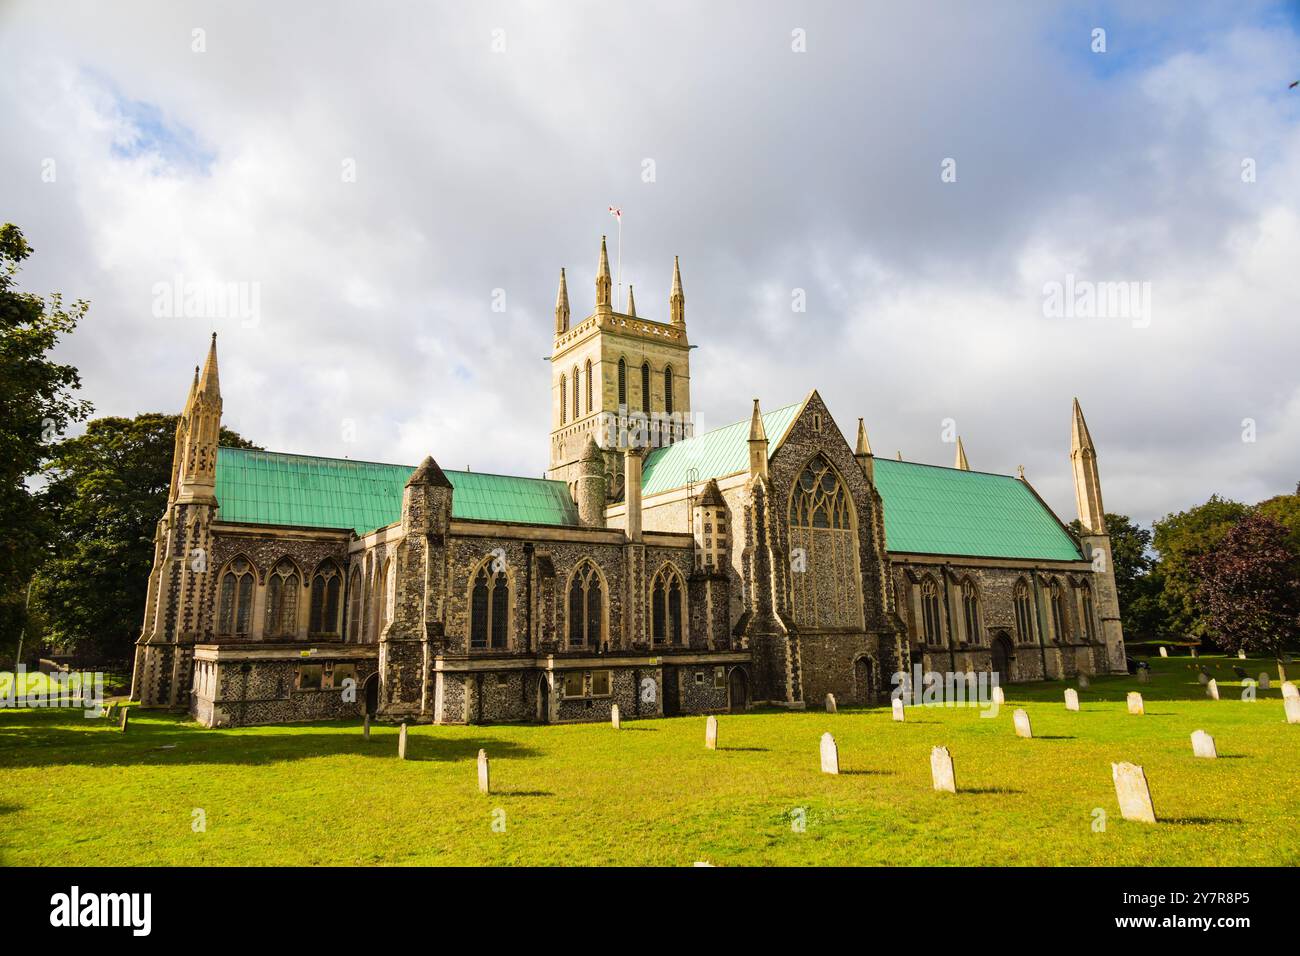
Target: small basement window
719	678
343	673
699	677
600	683
310	676
573	684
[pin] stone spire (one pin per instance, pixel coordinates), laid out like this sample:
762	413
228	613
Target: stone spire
862	452
1087	480
677	298
202	427
428	473
209	384
757	444
961	463
604	283
631	302
562	306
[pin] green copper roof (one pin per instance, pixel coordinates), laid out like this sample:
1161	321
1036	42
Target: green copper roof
716	454
933	510
261	487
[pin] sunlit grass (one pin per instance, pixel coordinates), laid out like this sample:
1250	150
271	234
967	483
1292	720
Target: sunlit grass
76	791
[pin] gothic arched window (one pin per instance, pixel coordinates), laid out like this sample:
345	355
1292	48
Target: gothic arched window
1058	612
930	618
236	604
622	383
586	606
666	606
1085	598
970	609
588	386
489	612
826	584
282	589
326	584
645	387
564	403
668	390
1024	613
354	607
576	412
819	498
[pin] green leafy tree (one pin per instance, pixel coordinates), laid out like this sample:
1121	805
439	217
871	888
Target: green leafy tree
1181	539
1137	579
1285	510
1249	587
107	489
37	403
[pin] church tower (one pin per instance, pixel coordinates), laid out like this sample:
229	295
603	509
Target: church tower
617	378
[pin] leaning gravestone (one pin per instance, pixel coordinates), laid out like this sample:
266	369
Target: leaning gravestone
484	782
365	728
112	711
941	770
1264	682
830	755
1292	705
1021	720
1083	682
401	743
1164	652
1133	793
1203	745
1144	675
1212	689
613	717
1135	703
1289	690
126	716
999	697
830	703
1071	699
711	733
898	709
1203	677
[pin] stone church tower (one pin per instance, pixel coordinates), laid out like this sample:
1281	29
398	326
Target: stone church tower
1094	537
616	378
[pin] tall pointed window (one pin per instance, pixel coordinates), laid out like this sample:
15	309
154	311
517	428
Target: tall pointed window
826	586
668	390
645	387
282	589
576	413
489	614
666	606
586	607
622	383
588	386
930	617
1058	612
326	584
564	400
1024	613
235	610
970	609
1085	599
354	607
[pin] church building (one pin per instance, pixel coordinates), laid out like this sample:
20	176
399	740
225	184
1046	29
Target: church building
765	563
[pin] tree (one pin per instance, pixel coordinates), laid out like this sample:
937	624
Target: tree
1249	586
1285	510
1180	539
107	490
37	403
1136	579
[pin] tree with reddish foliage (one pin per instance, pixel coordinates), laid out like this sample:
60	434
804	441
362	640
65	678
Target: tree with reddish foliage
1249	588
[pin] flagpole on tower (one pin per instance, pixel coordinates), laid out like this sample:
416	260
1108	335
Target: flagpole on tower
618	215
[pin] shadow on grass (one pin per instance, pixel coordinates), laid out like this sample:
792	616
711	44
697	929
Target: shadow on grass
1054	737
1198	821
869	773
522	793
743	750
961	790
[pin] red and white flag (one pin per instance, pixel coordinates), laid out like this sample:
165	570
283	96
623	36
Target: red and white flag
616	213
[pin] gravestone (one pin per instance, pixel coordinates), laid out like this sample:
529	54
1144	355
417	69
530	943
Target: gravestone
711	733
401	743
1194	652
1292	705
1021	720
1164	652
1133	793
1241	655
999	697
1071	699
484	780
1289	690
613	717
1264	682
1084	683
898	709
1203	745
941	770
126	715
112	711
1135	703
1212	689
1144	675
830	703
830	755
365	728
1203	677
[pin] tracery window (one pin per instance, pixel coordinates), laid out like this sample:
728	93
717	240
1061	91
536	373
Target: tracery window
1085	595
1058	612
825	580
666	606
489	616
355	600
326	585
970	607
236	604
282	589
819	498
930	616
586	606
1024	613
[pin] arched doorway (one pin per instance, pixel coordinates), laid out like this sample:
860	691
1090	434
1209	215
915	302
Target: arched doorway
1002	654
737	691
543	700
372	694
863	684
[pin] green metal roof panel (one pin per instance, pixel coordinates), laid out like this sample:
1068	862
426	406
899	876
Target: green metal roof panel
261	487
716	454
934	510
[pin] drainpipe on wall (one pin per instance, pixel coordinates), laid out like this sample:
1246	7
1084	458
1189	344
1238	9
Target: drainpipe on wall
1038	614
528	596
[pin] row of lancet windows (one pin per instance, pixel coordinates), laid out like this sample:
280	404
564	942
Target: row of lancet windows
284	587
931	614
571	406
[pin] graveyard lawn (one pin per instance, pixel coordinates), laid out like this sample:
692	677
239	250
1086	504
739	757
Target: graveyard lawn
75	791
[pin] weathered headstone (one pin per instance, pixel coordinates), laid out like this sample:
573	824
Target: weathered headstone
1135	703
1144	675
711	733
898	709
1021	720
1264	682
484	781
1212	689
613	717
1164	651
365	728
1289	690
941	770
1084	683
830	703
112	712
1071	699
1292	705
999	697
1194	654
1241	655
401	743
1203	745
1203	677
126	715
1133	793
830	755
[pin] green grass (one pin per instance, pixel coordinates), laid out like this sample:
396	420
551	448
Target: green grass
76	791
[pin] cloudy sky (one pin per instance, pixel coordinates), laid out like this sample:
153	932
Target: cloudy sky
930	176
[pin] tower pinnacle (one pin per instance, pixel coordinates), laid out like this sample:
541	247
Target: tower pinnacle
1087	480
604	282
961	463
562	306
677	298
